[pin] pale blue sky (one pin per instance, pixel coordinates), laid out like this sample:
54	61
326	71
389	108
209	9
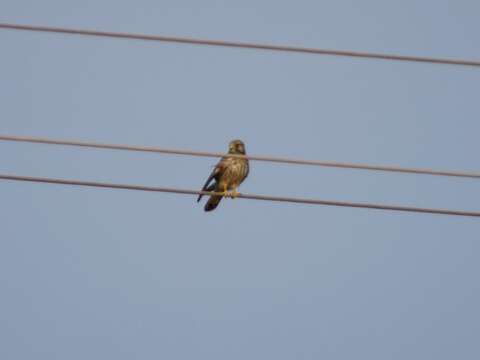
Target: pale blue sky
104	274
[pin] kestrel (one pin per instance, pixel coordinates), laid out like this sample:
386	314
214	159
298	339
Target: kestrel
228	174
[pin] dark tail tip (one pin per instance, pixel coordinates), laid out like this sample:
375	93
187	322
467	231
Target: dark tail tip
212	203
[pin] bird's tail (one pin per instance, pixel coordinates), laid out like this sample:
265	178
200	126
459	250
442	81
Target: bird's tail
212	203
210	188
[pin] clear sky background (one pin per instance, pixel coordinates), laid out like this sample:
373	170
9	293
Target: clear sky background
108	274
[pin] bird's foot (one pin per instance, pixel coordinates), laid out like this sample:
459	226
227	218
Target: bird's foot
225	192
231	194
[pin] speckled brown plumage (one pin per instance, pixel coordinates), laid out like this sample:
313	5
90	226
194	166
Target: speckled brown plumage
228	174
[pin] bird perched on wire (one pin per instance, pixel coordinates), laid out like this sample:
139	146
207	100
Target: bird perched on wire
228	174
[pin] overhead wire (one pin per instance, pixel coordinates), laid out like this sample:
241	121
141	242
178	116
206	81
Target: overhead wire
244	45
241	196
331	164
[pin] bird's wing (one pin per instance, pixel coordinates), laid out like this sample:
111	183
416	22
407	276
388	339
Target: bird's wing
216	173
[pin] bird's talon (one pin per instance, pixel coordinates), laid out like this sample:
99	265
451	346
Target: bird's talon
225	191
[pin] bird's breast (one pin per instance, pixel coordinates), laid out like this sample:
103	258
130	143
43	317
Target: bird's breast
235	172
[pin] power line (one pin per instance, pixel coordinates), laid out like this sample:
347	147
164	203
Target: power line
244	45
242	196
332	164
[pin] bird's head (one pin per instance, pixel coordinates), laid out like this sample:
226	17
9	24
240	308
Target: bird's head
236	147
